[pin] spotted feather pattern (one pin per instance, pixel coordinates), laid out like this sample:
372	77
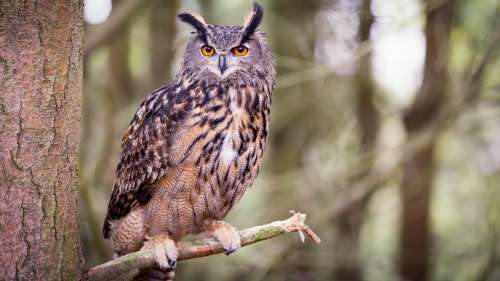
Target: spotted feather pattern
195	145
218	129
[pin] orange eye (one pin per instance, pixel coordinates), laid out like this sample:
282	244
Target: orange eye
239	51
207	51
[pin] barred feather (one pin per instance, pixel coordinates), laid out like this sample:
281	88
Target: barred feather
193	147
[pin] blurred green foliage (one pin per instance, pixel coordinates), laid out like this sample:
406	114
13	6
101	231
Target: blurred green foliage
316	157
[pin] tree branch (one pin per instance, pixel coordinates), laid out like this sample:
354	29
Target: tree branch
97	36
128	266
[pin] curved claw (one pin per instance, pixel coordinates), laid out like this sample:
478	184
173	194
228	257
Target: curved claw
164	250
230	249
226	234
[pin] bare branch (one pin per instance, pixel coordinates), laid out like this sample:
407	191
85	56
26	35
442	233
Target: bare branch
126	267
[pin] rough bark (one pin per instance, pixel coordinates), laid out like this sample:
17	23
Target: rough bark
349	222
41	46
418	168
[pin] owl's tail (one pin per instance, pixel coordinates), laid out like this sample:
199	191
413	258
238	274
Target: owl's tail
157	274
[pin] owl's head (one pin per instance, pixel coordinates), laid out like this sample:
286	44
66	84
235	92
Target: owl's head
225	51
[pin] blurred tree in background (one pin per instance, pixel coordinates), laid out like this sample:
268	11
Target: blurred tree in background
385	131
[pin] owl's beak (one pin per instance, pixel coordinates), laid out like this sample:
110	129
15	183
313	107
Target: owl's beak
222	63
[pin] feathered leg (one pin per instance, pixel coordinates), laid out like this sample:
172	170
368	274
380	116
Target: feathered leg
165	254
225	233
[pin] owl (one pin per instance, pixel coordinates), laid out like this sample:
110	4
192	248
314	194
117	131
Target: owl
194	145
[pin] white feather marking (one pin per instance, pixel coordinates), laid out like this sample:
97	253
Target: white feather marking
228	154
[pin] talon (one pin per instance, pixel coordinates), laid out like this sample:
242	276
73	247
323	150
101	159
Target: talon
225	234
230	250
164	250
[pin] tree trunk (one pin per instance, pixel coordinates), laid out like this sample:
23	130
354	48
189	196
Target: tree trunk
41	46
349	223
287	154
418	168
162	29
119	93
122	88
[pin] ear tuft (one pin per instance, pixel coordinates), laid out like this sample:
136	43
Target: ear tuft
197	22
253	20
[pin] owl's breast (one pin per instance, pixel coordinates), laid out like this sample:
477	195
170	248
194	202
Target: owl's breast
230	154
215	154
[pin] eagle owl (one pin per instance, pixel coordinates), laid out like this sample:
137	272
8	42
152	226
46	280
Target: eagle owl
195	145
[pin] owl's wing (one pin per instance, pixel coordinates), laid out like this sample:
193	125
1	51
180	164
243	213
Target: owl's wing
146	152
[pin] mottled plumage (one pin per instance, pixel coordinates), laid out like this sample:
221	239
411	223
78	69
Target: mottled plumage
195	145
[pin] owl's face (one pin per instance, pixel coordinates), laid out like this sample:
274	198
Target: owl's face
224	51
223	54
